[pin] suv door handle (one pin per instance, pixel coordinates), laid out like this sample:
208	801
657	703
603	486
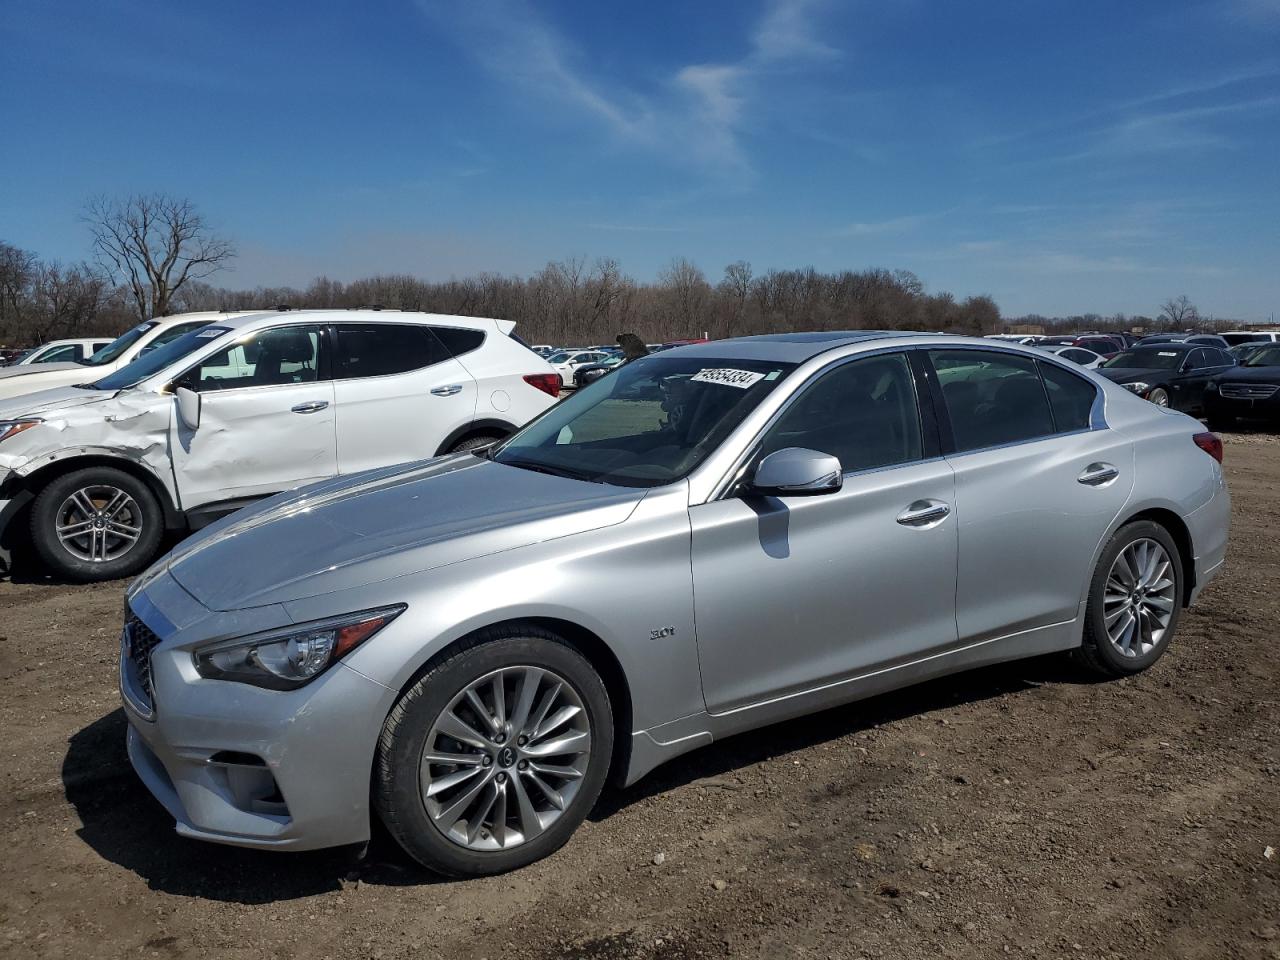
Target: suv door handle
922	513
312	406
1096	474
449	391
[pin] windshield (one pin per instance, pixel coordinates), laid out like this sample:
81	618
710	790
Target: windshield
1265	357
1147	359
149	364
118	346
651	422
559	357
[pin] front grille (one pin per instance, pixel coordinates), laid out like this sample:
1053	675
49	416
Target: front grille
140	641
1248	391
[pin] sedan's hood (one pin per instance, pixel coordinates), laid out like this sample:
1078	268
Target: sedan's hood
1268	374
386	523
44	402
1127	374
65	375
31	368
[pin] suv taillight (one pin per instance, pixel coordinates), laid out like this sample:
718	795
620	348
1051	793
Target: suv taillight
546	382
1210	443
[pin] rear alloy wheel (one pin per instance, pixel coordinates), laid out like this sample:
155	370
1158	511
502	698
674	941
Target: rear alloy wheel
1134	601
1159	396
96	524
496	755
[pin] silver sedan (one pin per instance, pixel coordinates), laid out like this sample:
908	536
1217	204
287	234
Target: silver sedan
710	539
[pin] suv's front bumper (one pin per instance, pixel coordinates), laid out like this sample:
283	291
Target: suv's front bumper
237	764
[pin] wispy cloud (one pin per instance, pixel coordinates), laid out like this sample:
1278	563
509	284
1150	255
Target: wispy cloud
894	225
704	107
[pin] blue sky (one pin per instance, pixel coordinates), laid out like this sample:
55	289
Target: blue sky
1062	157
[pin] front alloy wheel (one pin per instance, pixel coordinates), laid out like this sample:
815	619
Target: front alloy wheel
495	755
505	758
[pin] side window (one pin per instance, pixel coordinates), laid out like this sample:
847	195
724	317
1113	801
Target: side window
863	412
63	354
459	340
992	398
1070	398
1223	359
282	355
1198	360
381	349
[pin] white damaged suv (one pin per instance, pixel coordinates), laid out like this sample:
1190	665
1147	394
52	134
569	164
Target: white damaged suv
243	408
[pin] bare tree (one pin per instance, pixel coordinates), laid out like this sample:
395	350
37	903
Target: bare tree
154	244
1179	312
66	301
18	269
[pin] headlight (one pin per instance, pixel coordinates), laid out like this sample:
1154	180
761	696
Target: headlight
1137	387
287	658
10	428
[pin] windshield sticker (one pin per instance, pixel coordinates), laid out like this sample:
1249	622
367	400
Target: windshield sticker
216	332
772	374
742	379
1167	353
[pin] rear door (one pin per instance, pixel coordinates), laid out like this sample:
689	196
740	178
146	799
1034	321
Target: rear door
400	394
1189	386
1039	480
266	419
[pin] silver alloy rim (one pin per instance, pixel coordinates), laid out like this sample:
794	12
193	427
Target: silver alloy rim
1139	599
505	758
1160	398
98	523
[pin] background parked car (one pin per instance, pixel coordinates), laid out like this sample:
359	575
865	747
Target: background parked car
1079	355
594	371
245	408
124	349
1250	391
1204	339
1104	344
63	351
1169	374
567	361
1237	337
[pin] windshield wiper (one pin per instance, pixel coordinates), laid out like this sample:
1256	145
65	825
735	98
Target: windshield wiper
551	470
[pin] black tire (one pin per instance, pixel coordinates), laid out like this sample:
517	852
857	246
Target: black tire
1097	653
130	560
1159	396
475	443
397	769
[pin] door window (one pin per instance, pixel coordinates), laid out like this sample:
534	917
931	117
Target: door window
1070	398
64	354
1198	360
382	349
282	355
863	412
992	398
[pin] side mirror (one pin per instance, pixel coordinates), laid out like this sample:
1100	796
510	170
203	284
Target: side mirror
188	407
797	472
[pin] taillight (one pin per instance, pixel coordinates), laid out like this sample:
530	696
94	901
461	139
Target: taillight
546	382
1210	443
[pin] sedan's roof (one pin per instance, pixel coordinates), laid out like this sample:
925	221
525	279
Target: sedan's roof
790	347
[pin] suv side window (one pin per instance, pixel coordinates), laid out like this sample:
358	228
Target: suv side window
382	349
1198	360
280	355
863	412
1070	398
992	398
459	340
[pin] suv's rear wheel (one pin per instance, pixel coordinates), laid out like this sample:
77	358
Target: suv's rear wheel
493	758
475	443
94	524
1134	601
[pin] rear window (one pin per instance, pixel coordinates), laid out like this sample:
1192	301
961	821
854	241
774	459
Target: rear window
383	349
1070	397
459	340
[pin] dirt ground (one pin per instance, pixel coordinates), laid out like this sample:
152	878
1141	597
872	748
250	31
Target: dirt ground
1021	811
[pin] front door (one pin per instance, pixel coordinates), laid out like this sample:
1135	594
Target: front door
266	419
794	593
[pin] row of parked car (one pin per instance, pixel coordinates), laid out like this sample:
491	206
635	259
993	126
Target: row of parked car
187	418
579	366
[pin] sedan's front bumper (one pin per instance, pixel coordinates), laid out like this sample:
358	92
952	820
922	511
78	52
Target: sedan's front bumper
241	765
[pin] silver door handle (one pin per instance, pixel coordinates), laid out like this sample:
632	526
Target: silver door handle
1096	474
312	406
449	391
924	512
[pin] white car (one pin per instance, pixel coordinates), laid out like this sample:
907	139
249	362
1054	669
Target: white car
1085	358
64	351
567	361
1237	337
124	349
248	407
